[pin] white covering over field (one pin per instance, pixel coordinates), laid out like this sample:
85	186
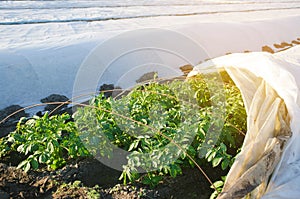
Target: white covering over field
43	43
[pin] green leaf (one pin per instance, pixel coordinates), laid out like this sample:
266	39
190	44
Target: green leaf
11	139
152	180
21	164
175	170
216	161
214	195
211	156
50	147
225	164
43	158
34	164
218	184
25	165
54	166
156	179
28	149
223	147
132	146
146	180
20	148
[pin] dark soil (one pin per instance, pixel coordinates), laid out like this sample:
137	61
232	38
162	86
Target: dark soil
88	177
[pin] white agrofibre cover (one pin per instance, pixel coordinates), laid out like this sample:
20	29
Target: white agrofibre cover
268	166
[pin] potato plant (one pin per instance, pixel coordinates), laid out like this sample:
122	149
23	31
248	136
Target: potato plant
44	141
163	126
152	117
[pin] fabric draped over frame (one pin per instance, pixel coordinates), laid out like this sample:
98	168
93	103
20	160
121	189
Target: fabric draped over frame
268	165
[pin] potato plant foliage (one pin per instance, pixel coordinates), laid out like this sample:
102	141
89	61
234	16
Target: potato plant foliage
164	125
44	141
161	125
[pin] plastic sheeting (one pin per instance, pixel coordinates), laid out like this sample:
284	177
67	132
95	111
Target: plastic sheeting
269	163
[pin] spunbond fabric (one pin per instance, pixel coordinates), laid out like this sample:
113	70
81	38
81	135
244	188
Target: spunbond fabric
268	165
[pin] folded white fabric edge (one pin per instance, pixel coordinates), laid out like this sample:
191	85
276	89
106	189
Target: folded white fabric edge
278	72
